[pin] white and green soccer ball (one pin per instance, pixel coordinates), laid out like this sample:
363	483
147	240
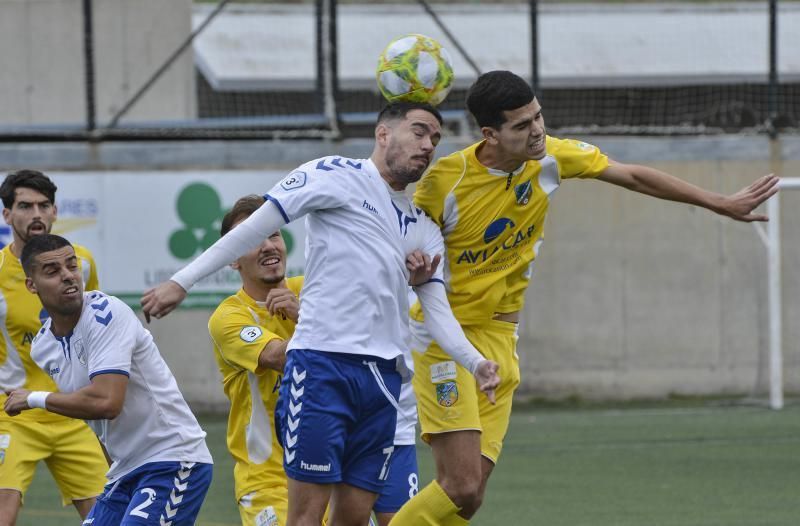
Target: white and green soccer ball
415	68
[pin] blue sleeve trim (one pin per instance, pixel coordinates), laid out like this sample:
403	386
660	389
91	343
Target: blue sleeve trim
434	280
280	208
109	371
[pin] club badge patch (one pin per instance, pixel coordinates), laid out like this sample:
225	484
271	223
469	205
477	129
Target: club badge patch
447	394
523	193
296	179
250	334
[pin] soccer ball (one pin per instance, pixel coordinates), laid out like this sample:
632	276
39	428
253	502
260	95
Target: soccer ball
415	68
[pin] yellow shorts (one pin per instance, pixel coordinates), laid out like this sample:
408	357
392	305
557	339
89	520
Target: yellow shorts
265	507
448	398
68	447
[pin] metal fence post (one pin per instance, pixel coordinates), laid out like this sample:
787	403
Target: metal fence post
88	66
772	90
535	49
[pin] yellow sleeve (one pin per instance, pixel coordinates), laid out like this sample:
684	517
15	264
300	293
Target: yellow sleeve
295	284
437	182
577	158
238	338
85	256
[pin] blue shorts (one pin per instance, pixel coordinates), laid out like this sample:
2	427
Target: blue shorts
335	418
157	493
403	481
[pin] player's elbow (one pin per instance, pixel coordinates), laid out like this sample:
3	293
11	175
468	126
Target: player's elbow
108	409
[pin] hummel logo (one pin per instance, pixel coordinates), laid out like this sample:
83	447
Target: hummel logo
315	467
297	393
370	207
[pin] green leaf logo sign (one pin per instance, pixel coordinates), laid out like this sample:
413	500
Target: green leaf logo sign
200	209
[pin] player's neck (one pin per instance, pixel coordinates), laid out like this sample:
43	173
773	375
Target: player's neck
383	170
492	157
63	324
16	246
258	290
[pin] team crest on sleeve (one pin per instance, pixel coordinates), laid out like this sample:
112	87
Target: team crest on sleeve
294	180
447	394
250	334
584	145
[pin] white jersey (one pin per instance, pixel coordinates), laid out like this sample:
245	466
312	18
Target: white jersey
156	424
354	299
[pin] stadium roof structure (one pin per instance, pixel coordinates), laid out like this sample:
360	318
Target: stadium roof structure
273	47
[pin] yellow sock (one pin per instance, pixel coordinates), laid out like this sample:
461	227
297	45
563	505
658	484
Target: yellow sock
430	507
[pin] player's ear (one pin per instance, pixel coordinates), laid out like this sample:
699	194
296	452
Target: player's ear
6	213
235	265
382	133
30	286
490	134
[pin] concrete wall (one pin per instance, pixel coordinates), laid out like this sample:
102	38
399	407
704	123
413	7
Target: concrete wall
43	60
631	297
638	298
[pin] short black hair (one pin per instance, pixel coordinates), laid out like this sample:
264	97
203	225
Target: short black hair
33	179
399	110
495	92
38	245
243	207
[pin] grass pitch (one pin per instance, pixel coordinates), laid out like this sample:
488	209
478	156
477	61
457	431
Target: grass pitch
691	465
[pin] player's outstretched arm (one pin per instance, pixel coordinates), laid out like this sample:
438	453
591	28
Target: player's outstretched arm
246	236
649	181
102	399
445	329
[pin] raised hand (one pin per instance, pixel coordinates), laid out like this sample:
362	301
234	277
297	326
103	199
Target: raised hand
161	300
740	206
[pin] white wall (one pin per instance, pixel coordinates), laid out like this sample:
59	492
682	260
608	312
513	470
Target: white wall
43	60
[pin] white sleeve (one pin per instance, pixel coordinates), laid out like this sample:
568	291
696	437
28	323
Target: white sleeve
112	334
444	327
316	185
313	186
246	236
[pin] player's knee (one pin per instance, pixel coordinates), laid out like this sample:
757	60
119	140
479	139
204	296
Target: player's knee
465	492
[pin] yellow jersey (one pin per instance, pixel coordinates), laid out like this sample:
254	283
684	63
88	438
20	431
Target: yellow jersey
239	329
493	222
21	316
